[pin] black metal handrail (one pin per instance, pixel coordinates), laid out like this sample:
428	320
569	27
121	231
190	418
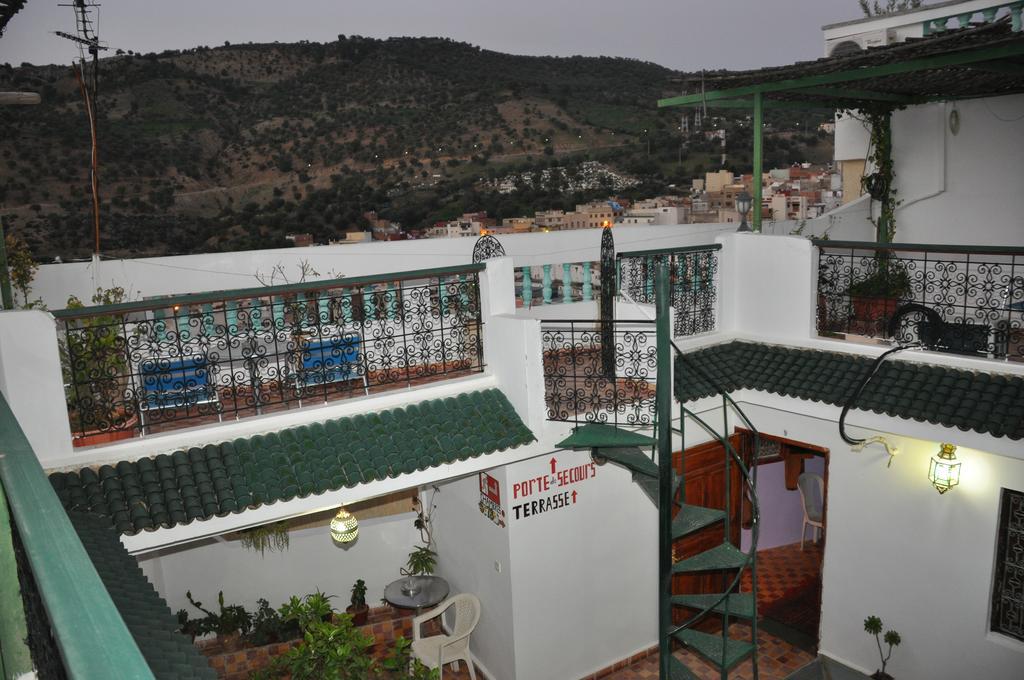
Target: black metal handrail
693	283
959	299
190	360
584	383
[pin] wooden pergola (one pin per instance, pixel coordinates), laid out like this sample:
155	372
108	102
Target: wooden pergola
986	60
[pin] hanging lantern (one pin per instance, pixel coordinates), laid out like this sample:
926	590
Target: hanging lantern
944	469
344	527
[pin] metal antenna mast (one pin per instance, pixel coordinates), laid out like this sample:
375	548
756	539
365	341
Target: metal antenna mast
89	47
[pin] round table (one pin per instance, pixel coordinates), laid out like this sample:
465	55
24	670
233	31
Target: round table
432	590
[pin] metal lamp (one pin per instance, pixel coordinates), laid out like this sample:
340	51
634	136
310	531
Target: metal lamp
344	527
743	202
944	469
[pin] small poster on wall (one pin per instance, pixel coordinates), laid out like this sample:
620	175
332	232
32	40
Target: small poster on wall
490	499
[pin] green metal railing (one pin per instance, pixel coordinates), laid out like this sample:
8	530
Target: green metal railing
92	638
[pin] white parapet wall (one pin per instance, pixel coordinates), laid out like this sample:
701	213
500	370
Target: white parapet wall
147	277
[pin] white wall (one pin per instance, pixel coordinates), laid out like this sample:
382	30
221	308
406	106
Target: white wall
782	512
897	549
311	561
953	189
224	271
584	577
474	558
31	381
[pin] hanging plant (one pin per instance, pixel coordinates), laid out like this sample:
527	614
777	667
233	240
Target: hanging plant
272	537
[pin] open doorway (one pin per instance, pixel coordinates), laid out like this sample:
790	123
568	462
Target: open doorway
790	549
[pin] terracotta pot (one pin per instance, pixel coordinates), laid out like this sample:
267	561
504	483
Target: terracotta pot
871	315
96	437
360	615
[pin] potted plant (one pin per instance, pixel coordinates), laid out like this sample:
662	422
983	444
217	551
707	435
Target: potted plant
873	626
875	298
232	621
358	609
94	363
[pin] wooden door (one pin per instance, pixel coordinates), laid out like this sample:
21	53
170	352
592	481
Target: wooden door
704	480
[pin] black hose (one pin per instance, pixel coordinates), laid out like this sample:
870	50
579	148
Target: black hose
860	388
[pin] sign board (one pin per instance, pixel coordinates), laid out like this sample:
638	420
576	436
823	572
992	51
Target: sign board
554	490
490	499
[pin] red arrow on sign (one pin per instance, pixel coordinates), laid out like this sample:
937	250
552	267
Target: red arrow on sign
553	461
574	498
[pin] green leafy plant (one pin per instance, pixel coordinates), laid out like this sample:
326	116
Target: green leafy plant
359	594
268	626
890	279
313	607
873	626
22	268
272	537
94	362
422	560
229	620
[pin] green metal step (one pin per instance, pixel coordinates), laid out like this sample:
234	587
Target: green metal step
724	556
740	604
632	458
677	671
597	435
650	486
723	652
691	518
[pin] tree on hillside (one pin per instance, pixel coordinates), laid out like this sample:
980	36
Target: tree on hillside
876	9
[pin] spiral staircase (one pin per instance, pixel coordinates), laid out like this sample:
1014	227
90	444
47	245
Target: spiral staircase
709	632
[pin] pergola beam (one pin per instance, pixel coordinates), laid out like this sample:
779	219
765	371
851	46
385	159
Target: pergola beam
748	103
843	93
964	58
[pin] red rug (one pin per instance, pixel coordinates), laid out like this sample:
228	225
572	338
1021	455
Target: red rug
799	608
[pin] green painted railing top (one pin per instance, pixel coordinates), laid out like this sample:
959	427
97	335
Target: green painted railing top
94	641
668	251
921	247
265	291
15	659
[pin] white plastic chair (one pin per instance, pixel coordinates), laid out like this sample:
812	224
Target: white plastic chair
812	495
437	650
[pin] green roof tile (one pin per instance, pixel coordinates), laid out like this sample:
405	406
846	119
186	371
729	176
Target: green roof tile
220	479
983	402
170	655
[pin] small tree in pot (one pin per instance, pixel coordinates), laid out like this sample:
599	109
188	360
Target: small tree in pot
873	626
358	609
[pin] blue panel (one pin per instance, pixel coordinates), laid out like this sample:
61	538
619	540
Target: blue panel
169	383
330	360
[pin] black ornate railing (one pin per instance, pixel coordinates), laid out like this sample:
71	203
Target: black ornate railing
181	361
585	382
960	299
693	273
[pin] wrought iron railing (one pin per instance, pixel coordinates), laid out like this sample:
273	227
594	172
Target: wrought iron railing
582	383
693	280
548	284
182	361
960	299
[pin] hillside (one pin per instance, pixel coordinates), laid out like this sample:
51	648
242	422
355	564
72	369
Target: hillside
232	147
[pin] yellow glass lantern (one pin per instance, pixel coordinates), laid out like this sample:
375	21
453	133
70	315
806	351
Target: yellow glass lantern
944	469
344	527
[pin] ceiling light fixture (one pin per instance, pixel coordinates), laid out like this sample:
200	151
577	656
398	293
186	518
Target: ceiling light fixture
344	527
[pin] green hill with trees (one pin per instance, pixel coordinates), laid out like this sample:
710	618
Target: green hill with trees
232	147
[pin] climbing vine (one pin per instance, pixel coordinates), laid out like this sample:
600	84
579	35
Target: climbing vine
879	184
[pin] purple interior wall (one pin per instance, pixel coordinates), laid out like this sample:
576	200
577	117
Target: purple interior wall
782	515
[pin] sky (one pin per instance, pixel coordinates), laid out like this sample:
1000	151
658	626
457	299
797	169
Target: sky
680	34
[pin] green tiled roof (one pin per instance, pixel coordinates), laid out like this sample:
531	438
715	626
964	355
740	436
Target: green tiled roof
989	403
219	479
170	654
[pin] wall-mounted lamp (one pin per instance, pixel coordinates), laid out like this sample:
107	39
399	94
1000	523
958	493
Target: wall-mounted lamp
743	201
344	527
944	469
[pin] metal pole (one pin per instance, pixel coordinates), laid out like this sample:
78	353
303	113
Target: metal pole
5	272
758	158
664	433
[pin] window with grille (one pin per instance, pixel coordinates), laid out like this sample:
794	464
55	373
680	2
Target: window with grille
1008	587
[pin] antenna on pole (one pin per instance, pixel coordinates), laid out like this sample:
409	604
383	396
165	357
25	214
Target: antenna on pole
89	47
